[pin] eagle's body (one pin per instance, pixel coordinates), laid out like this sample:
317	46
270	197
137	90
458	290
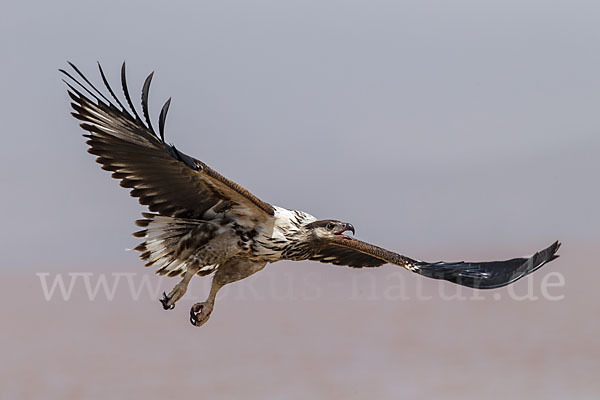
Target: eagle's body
202	223
211	242
283	242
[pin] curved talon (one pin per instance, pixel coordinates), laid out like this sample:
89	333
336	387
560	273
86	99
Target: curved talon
165	302
193	318
198	315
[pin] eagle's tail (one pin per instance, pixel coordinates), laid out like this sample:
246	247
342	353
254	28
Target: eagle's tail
487	275
170	243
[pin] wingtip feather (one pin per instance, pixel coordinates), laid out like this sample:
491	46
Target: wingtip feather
145	91
126	91
162	118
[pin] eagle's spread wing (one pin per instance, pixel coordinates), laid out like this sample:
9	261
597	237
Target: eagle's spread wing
343	250
168	181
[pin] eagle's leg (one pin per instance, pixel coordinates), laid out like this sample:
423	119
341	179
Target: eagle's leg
200	312
168	301
229	272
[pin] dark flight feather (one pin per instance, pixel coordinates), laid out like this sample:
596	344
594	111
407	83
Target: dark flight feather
87	81
162	117
145	90
126	91
489	274
342	250
80	85
109	88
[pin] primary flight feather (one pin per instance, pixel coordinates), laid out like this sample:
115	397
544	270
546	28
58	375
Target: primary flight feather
202	223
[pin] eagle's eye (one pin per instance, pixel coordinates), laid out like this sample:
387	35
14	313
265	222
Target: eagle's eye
329	226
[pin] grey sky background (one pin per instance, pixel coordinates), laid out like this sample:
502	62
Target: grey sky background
428	125
439	129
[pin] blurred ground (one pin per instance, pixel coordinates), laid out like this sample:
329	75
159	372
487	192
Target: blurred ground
306	330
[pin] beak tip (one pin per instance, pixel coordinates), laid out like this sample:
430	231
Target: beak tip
345	228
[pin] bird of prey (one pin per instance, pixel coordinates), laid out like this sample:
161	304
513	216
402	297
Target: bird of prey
202	223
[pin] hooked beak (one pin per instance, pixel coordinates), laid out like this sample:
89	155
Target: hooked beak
346	227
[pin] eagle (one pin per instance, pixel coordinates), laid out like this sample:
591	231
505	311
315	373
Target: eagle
201	223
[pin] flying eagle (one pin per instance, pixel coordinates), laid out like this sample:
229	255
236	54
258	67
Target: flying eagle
202	223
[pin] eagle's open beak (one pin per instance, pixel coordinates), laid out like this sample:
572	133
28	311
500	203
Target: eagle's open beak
346	227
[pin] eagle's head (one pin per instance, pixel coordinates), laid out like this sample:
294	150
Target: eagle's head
328	227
